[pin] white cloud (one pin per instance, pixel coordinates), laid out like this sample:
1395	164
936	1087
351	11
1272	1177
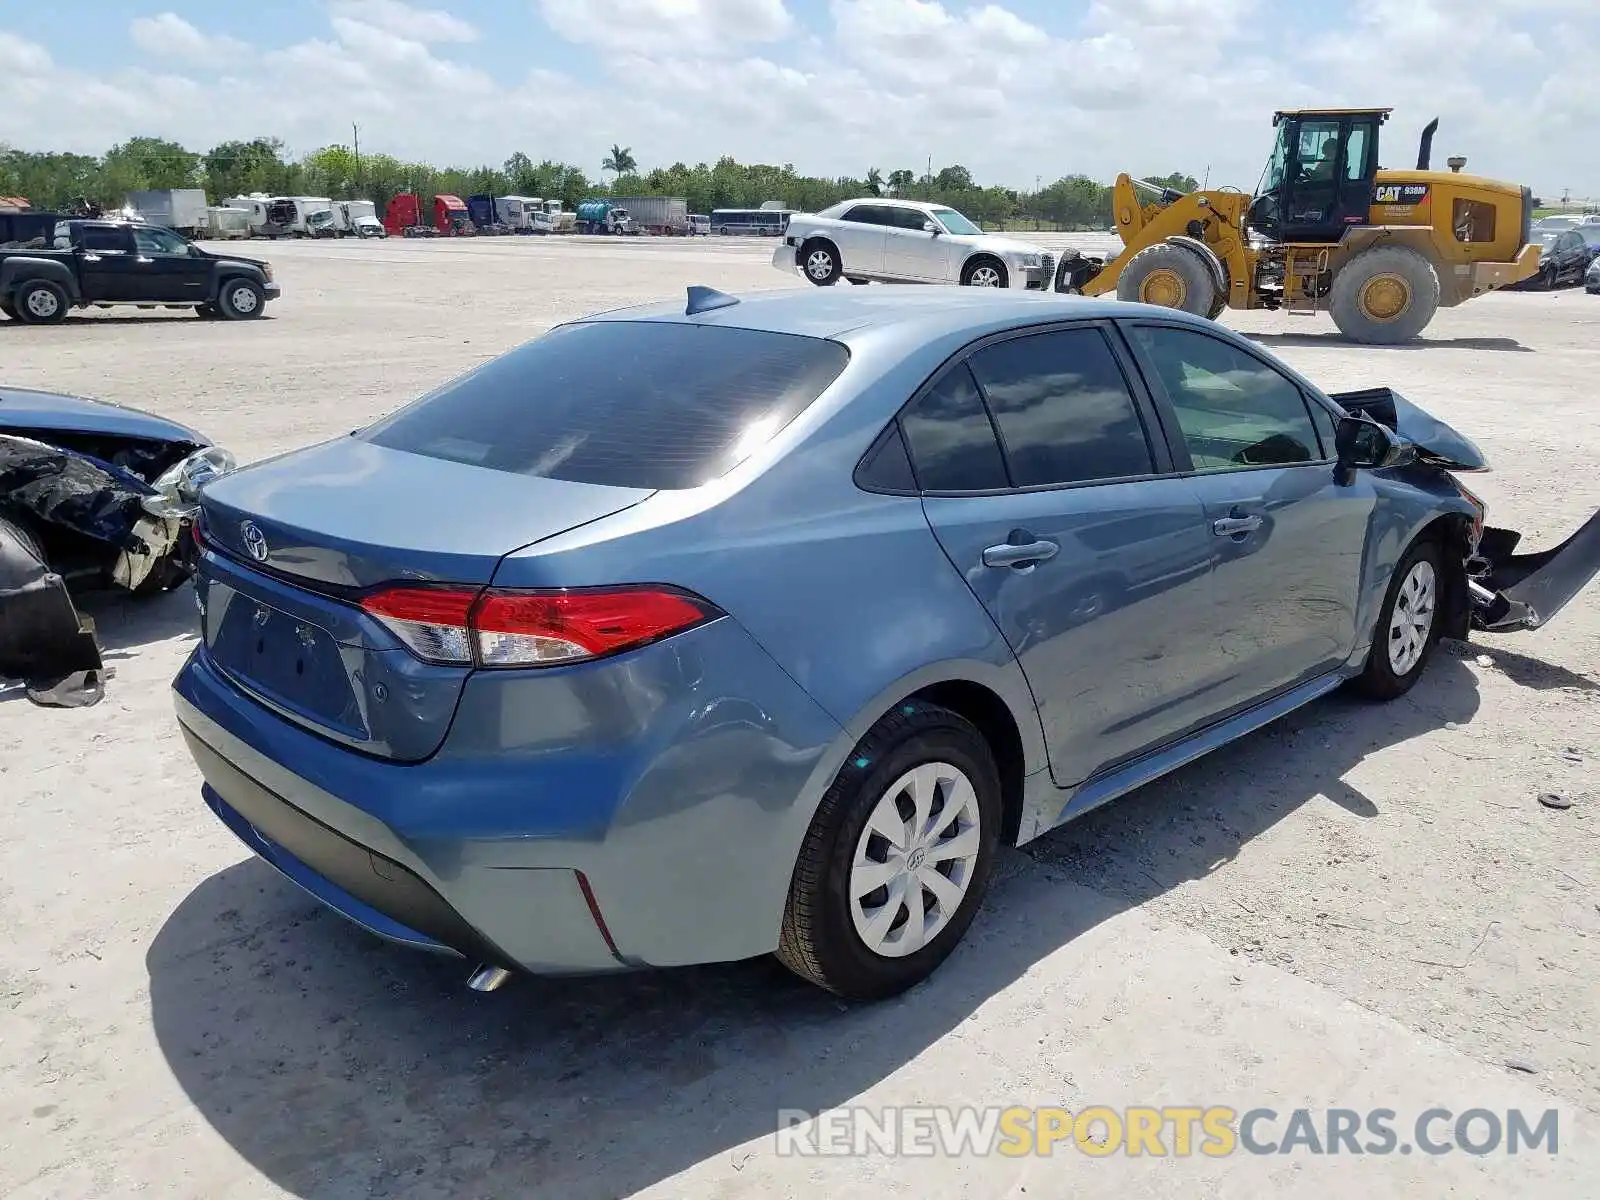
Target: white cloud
1147	86
669	27
169	35
426	25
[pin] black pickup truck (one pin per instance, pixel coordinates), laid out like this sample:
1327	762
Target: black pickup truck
120	262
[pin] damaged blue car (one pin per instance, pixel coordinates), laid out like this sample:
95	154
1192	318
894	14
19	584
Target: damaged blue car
92	495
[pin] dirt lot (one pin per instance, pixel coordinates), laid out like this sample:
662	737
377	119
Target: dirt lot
1362	906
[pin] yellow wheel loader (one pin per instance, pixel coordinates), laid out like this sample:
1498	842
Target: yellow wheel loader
1327	230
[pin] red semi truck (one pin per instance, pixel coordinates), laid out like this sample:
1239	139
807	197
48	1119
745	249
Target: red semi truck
403	217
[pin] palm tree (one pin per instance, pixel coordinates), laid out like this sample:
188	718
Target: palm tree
620	161
875	181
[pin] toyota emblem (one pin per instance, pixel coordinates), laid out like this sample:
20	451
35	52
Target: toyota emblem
254	540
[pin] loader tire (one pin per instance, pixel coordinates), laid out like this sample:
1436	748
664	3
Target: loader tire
1169	276
1384	296
1221	302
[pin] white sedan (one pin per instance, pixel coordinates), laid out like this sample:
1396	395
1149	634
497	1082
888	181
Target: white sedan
904	241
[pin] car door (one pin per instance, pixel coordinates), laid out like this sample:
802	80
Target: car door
1050	491
170	269
1288	533
911	252
1575	256
860	234
108	267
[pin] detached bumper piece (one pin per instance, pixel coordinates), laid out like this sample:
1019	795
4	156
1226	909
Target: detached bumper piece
1523	591
42	640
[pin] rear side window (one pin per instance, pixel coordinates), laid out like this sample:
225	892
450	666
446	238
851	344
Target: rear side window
96	238
1063	408
951	440
640	404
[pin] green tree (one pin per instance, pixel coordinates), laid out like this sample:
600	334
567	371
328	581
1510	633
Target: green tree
239	168
145	162
620	161
875	181
953	179
1177	181
902	181
331	172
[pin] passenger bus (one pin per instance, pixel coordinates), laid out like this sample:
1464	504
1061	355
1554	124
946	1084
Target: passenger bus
763	222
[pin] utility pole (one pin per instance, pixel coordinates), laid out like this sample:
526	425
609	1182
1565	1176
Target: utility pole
355	137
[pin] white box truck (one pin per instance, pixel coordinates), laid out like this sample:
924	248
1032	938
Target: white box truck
182	209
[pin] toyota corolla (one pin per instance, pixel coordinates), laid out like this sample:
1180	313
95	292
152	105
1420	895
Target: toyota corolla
716	629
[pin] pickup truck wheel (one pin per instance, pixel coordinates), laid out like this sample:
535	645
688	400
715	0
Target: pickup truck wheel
241	299
9	309
984	272
819	259
40	302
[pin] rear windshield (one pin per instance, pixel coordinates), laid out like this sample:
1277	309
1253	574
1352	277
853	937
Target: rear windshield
641	404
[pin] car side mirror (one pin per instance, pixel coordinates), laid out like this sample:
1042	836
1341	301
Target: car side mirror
930	227
1363	444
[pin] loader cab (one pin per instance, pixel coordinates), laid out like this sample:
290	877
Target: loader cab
1320	176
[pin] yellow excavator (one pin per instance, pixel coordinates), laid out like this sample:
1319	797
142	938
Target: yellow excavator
1327	230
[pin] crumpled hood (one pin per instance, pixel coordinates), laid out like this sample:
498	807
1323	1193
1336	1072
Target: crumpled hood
1437	443
24	409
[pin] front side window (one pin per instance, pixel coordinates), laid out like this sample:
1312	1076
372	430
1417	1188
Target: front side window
954	222
951	439
1235	411
159	241
908	218
1064	409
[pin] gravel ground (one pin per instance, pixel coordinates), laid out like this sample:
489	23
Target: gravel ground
1361	904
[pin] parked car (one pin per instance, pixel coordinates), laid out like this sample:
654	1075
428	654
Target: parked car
1591	278
92	495
1556	224
104	263
1563	258
904	241
694	632
1589	231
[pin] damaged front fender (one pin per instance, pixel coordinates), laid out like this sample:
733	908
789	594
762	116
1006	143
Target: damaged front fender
1523	591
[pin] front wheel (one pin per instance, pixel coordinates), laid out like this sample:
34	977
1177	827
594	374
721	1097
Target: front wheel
1407	629
984	272
897	858
40	302
241	299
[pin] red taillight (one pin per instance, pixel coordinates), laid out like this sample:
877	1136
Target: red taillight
532	628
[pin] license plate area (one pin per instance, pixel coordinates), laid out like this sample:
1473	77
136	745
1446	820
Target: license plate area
289	661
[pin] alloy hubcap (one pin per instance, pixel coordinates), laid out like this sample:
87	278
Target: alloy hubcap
1163	287
915	860
985	277
1412	619
1385	297
43	304
244	300
820	264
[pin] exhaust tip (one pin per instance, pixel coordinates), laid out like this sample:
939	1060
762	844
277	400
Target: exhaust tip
488	979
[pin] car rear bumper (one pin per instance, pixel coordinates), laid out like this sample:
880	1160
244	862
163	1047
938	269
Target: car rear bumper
672	843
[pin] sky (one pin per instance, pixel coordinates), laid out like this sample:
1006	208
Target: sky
1015	91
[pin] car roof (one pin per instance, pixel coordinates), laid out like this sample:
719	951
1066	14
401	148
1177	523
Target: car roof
889	202
921	312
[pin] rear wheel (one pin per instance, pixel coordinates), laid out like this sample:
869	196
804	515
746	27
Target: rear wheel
9	309
819	259
1169	276
40	302
897	858
1384	296
1408	626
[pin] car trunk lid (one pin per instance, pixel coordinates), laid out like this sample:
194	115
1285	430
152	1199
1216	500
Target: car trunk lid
293	544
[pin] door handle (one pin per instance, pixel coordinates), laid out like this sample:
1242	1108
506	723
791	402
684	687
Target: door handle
1024	554
91	258
143	259
1234	526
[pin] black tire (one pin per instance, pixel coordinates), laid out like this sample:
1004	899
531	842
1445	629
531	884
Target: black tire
1170	276
819	261
819	941
1381	678
241	299
207	312
9	309
1220	304
985	267
1404	272
40	302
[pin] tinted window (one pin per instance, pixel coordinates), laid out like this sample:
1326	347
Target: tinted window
1235	411
645	404
100	238
1327	426
907	218
1355	165
1063	408
867	214
887	466
951	440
